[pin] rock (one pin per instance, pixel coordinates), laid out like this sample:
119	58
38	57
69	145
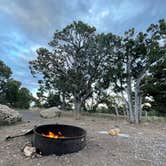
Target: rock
8	115
51	113
29	151
114	131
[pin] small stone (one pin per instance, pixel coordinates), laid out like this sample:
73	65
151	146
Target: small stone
38	155
29	151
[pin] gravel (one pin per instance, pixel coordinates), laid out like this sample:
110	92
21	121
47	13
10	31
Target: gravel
145	146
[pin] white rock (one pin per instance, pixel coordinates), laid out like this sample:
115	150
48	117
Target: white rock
8	115
29	151
51	113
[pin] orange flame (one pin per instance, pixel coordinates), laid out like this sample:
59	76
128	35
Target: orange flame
53	135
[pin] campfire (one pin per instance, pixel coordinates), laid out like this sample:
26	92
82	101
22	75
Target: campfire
58	139
51	134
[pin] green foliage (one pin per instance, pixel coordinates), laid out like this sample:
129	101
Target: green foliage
53	100
5	71
83	64
155	85
138	53
15	96
78	60
11	93
24	98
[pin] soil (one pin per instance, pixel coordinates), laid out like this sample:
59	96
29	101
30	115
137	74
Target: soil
145	146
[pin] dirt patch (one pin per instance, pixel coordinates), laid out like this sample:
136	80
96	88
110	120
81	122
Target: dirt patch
146	145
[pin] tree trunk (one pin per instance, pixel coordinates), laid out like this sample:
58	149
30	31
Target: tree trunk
138	102
146	115
126	110
136	110
83	106
140	105
63	101
130	101
129	91
77	109
116	111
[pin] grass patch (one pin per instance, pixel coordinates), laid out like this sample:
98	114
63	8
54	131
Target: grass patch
154	119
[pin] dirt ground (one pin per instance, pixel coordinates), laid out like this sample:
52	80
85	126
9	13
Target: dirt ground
145	146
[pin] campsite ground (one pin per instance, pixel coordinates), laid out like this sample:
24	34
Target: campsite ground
145	146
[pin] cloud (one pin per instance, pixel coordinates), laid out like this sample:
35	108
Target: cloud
39	18
27	25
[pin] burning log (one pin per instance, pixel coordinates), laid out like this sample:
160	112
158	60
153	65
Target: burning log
53	135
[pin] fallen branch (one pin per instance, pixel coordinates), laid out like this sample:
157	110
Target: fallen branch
19	135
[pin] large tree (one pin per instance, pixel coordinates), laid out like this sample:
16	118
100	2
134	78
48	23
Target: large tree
77	61
16	96
11	92
139	52
24	98
5	73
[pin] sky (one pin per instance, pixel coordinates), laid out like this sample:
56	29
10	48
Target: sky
26	25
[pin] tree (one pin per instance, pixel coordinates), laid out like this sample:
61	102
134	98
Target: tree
154	85
24	98
138	53
5	73
17	96
11	92
53	100
79	59
115	102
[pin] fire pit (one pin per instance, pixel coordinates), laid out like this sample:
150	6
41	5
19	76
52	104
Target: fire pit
58	139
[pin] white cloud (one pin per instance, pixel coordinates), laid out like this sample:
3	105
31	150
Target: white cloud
127	10
105	13
28	25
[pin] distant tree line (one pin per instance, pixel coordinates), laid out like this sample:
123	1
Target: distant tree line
11	92
83	66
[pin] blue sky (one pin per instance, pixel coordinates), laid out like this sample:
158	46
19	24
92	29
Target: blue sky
28	25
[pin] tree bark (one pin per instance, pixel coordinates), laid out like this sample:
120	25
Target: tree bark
138	100
131	115
126	110
146	115
137	103
129	91
116	111
77	109
130	101
140	105
63	101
